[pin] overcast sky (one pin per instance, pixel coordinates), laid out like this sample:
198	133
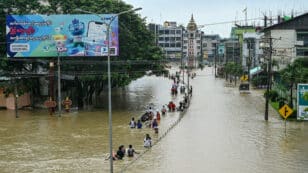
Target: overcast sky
215	11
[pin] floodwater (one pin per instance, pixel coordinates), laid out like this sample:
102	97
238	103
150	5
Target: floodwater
222	131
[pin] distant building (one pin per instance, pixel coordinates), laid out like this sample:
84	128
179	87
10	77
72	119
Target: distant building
232	50
210	46
154	29
251	50
170	38
179	42
237	33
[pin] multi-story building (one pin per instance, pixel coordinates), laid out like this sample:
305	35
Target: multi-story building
210	46
170	38
251	51
179	42
154	29
289	39
232	50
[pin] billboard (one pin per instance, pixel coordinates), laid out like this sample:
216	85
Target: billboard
63	35
302	100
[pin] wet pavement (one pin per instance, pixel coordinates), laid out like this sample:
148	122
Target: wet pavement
222	131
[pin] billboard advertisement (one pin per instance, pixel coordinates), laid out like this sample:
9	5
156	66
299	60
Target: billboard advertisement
63	35
302	100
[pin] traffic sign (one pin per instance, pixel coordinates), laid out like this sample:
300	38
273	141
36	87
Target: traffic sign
285	111
244	78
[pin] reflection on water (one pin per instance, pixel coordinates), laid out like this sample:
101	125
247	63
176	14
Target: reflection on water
221	132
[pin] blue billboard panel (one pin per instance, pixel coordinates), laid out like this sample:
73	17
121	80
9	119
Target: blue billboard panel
302	101
63	35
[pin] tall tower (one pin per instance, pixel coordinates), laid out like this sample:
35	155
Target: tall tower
192	46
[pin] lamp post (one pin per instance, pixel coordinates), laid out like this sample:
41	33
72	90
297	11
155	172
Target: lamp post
114	16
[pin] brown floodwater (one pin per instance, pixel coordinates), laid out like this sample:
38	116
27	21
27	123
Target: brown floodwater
222	131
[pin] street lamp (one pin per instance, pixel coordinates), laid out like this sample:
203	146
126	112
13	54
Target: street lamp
114	16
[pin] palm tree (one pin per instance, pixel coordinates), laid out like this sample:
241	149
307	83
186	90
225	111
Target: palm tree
291	75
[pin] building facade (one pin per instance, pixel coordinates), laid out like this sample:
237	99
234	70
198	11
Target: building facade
210	46
178	42
251	50
170	39
289	39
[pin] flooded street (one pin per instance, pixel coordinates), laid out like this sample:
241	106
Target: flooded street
222	131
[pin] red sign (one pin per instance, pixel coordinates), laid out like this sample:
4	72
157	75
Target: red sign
50	104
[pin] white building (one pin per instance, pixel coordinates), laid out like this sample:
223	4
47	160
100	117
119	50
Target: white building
170	38
251	50
289	39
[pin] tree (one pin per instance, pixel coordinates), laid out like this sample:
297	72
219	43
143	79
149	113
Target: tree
292	75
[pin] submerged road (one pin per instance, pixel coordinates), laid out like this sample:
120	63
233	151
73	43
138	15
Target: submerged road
224	131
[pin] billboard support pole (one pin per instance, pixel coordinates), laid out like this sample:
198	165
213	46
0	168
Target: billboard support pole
59	86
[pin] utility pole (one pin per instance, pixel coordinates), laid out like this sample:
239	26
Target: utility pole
215	60
182	57
59	86
269	76
16	99
249	59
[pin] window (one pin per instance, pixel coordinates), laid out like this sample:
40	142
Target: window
161	38
178	31
166	38
172	45
161	32
178	38
161	44
167	31
172	31
178	44
191	35
198	41
166	44
303	36
301	51
204	44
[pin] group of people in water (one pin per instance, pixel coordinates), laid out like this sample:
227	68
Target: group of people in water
130	151
151	119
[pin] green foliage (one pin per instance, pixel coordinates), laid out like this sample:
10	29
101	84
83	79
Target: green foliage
294	73
305	96
275	105
272	94
259	80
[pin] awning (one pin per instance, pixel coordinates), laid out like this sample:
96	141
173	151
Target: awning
255	70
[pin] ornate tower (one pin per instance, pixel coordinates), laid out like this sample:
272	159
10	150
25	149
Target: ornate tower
192	48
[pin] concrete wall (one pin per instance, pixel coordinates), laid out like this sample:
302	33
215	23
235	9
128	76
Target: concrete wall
9	102
284	46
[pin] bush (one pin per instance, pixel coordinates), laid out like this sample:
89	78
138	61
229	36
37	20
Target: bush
281	101
273	95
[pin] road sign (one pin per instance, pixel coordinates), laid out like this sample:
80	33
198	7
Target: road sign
285	111
244	78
